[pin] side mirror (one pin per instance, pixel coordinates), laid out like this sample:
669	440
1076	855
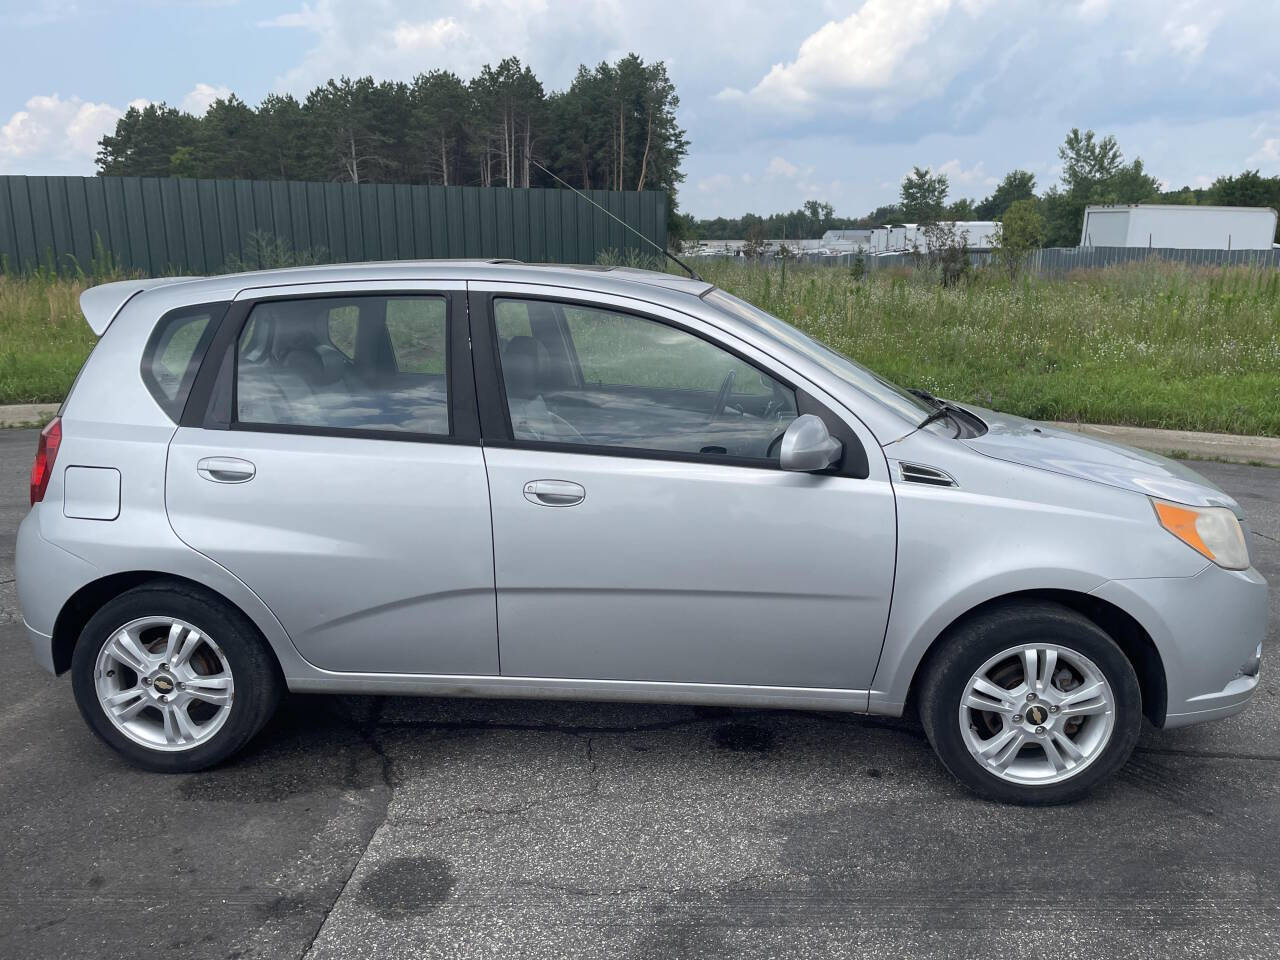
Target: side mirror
807	446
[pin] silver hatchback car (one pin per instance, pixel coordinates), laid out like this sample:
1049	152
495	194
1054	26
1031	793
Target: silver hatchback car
497	479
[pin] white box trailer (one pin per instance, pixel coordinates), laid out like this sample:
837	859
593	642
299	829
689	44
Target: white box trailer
906	237
1177	226
977	234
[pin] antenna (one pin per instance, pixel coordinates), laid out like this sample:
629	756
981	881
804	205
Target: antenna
665	252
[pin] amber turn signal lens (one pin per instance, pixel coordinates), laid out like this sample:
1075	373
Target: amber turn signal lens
1213	532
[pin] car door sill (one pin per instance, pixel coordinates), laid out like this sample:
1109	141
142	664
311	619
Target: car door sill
546	688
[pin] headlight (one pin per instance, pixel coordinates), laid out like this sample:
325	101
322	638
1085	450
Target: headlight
1212	531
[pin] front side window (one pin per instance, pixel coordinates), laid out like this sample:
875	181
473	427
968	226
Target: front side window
582	375
357	363
903	402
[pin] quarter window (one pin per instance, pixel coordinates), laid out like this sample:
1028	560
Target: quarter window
583	375
174	352
364	363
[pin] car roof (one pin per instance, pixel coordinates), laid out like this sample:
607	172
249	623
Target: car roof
587	277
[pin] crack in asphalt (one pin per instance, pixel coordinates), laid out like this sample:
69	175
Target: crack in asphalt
371	732
368	734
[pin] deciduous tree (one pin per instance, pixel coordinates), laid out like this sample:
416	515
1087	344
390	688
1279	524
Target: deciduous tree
924	196
1022	230
1016	185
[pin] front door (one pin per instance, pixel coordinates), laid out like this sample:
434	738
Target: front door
343	480
642	528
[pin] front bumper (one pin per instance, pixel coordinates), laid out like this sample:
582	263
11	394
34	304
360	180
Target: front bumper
1209	630
41	646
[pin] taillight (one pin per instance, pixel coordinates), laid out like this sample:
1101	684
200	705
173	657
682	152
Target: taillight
46	453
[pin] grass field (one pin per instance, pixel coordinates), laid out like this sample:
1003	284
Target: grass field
1153	345
43	337
1150	344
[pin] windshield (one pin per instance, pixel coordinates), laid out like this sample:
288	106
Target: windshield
891	395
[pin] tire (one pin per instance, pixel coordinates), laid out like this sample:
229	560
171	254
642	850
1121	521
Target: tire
1104	736
224	678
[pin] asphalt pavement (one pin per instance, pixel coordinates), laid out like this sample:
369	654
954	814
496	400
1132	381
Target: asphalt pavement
400	827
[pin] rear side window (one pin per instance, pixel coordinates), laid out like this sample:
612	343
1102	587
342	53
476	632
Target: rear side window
173	354
362	363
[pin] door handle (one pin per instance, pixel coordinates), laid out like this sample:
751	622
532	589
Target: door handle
226	469
554	493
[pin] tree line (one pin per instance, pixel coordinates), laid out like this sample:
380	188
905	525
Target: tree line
1094	171
614	128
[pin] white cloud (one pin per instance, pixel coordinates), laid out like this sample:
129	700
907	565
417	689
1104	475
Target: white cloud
780	167
1091	10
1267	155
714	183
870	50
201	97
52	135
1189	38
960	176
428	35
392	39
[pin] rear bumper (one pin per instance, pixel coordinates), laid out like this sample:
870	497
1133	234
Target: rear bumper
1208	629
47	576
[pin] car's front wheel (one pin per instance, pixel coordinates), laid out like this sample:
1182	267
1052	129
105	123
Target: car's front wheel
172	678
1031	703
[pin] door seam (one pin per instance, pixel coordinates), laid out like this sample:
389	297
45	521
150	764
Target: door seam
488	486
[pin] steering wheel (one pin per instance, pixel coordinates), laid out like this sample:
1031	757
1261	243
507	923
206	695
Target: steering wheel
562	422
722	398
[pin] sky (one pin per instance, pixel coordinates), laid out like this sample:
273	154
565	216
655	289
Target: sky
816	99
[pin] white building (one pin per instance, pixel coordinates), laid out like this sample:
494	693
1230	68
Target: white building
908	237
1179	227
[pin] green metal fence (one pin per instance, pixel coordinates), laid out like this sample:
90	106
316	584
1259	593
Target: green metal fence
161	225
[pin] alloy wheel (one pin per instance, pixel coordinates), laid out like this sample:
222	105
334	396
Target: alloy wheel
164	684
1037	714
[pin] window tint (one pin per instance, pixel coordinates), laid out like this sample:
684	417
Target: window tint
416	328
367	363
513	319
342	328
576	374
174	352
893	396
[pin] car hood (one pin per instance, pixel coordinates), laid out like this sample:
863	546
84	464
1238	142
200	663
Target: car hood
1076	455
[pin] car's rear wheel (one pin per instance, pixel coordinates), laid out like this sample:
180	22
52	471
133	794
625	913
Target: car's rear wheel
172	678
1031	703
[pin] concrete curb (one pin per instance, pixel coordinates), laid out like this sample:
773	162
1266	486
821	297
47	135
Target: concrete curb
27	414
1186	443
1183	443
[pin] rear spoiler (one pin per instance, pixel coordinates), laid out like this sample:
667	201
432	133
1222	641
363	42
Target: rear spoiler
100	304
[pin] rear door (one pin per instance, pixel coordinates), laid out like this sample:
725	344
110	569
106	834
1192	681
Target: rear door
643	530
329	457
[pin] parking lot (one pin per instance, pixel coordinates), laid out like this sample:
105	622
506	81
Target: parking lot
362	827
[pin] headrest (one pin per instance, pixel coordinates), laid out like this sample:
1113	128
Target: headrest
523	359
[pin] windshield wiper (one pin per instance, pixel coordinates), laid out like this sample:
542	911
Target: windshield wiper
944	410
941	413
926	396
